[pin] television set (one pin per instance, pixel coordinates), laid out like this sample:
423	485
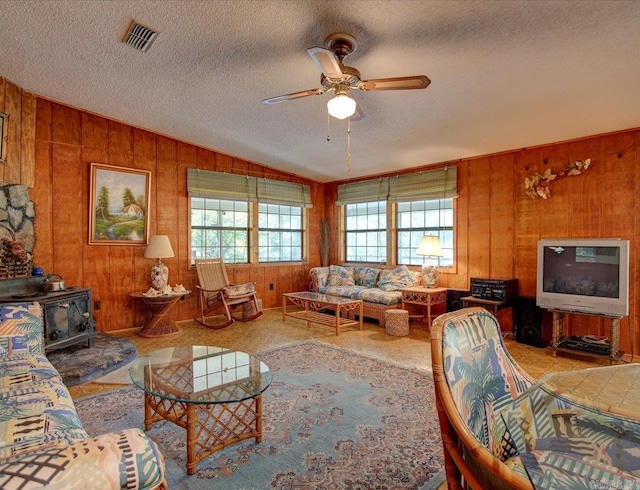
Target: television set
584	276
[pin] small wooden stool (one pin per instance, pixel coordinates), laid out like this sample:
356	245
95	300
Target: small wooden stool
397	322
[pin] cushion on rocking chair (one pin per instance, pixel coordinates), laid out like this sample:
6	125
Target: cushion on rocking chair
238	290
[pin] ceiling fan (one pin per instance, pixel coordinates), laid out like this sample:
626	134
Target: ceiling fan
340	78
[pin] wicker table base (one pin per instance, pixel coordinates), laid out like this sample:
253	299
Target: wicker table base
161	324
209	427
215	393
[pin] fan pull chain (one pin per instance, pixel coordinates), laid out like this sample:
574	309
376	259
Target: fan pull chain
328	126
349	145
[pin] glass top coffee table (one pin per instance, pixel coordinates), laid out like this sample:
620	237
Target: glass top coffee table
313	303
215	393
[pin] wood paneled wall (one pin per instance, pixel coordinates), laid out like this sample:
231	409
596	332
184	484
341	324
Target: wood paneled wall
67	140
498	225
21	108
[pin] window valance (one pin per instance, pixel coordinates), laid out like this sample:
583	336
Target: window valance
418	186
284	193
424	186
236	187
364	191
220	185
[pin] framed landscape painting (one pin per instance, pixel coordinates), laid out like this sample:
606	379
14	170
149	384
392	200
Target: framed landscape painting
118	205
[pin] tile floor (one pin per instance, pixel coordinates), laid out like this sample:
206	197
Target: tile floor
270	331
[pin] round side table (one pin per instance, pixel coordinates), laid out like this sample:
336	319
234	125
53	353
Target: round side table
160	306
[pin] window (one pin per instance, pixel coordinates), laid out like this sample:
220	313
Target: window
366	232
418	218
385	218
279	233
219	228
246	219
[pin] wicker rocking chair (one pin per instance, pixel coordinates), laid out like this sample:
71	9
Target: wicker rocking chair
215	292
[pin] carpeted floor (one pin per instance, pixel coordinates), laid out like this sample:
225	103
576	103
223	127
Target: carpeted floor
333	418
79	364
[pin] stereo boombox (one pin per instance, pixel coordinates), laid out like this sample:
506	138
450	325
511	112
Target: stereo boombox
494	289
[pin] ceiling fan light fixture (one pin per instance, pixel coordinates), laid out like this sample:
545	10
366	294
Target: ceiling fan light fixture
341	106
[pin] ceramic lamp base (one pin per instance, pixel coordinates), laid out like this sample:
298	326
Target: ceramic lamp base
430	275
159	275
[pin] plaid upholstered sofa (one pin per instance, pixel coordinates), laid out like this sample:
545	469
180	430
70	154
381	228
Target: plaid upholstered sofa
42	441
379	289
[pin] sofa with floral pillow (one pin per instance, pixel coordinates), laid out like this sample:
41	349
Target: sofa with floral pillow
378	288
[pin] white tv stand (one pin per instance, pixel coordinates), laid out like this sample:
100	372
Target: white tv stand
557	334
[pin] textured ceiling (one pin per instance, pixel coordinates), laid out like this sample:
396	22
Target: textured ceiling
505	74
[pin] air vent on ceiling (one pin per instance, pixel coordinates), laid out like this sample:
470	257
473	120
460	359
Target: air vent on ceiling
139	36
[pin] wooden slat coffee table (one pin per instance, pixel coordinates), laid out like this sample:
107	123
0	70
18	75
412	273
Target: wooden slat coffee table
213	392
312	302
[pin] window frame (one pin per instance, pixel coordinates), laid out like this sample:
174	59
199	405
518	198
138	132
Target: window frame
392	239
441	230
253	235
365	231
280	230
220	228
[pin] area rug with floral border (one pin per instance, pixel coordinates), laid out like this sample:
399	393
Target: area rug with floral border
333	418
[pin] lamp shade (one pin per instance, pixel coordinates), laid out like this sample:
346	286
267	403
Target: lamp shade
429	246
158	247
341	106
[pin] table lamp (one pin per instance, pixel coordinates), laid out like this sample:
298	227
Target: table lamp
429	247
159	247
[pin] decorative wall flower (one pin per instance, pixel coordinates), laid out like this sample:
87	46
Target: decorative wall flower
538	185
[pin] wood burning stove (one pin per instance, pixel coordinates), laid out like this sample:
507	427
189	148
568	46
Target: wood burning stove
68	314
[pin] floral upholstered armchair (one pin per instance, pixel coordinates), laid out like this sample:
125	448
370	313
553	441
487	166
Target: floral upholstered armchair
475	377
500	430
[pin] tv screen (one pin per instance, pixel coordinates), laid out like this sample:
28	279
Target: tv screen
588	275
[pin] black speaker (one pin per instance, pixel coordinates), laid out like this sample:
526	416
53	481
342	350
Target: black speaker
530	322
454	298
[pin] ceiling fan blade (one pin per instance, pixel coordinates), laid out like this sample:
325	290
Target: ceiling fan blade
326	61
295	95
398	83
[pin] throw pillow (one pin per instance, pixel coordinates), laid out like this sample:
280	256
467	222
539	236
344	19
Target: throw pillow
239	290
396	279
366	276
341	276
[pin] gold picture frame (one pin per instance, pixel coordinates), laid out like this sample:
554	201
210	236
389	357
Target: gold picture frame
118	205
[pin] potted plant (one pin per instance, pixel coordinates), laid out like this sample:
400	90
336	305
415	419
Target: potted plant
14	259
